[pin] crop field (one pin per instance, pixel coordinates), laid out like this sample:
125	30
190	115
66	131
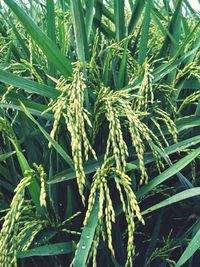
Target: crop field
99	133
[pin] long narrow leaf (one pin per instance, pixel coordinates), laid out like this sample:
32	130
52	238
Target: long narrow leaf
48	250
193	246
145	32
28	85
48	47
189	193
79	30
119	19
89	17
58	148
51	32
182	163
92	165
138	8
86	238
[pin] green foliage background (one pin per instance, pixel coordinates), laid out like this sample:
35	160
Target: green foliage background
99	133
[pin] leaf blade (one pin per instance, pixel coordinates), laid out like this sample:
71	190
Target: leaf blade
48	250
48	47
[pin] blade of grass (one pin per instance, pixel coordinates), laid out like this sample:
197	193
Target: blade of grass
191	84
189	37
145	33
122	69
86	239
7	186
104	29
193	246
51	26
58	148
165	69
154	236
48	47
189	193
174	47
166	43
184	181
33	111
15	51
89	17
4	156
81	39
182	163
163	29
188	123
33	186
20	40
107	13
138	8
51	33
119	19
131	4
91	166
48	250
28	85
79	30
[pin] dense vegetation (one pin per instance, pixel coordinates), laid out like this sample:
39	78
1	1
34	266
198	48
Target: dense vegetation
99	133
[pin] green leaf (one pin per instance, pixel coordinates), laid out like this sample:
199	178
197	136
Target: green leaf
33	186
154	236
92	165
145	33
17	34
89	17
58	148
177	147
164	30
101	10
119	19
7	186
187	39
165	69
122	69
34	109
104	29
171	28
51	27
44	236
195	47
4	33
193	246
137	11
173	47
182	163
6	155
28	85
191	84
48	47
176	198
48	250
131	4
51	32
5	173
86	239
188	123
107	12
184	181
79	30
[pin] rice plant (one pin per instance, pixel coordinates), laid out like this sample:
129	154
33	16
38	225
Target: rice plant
99	131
